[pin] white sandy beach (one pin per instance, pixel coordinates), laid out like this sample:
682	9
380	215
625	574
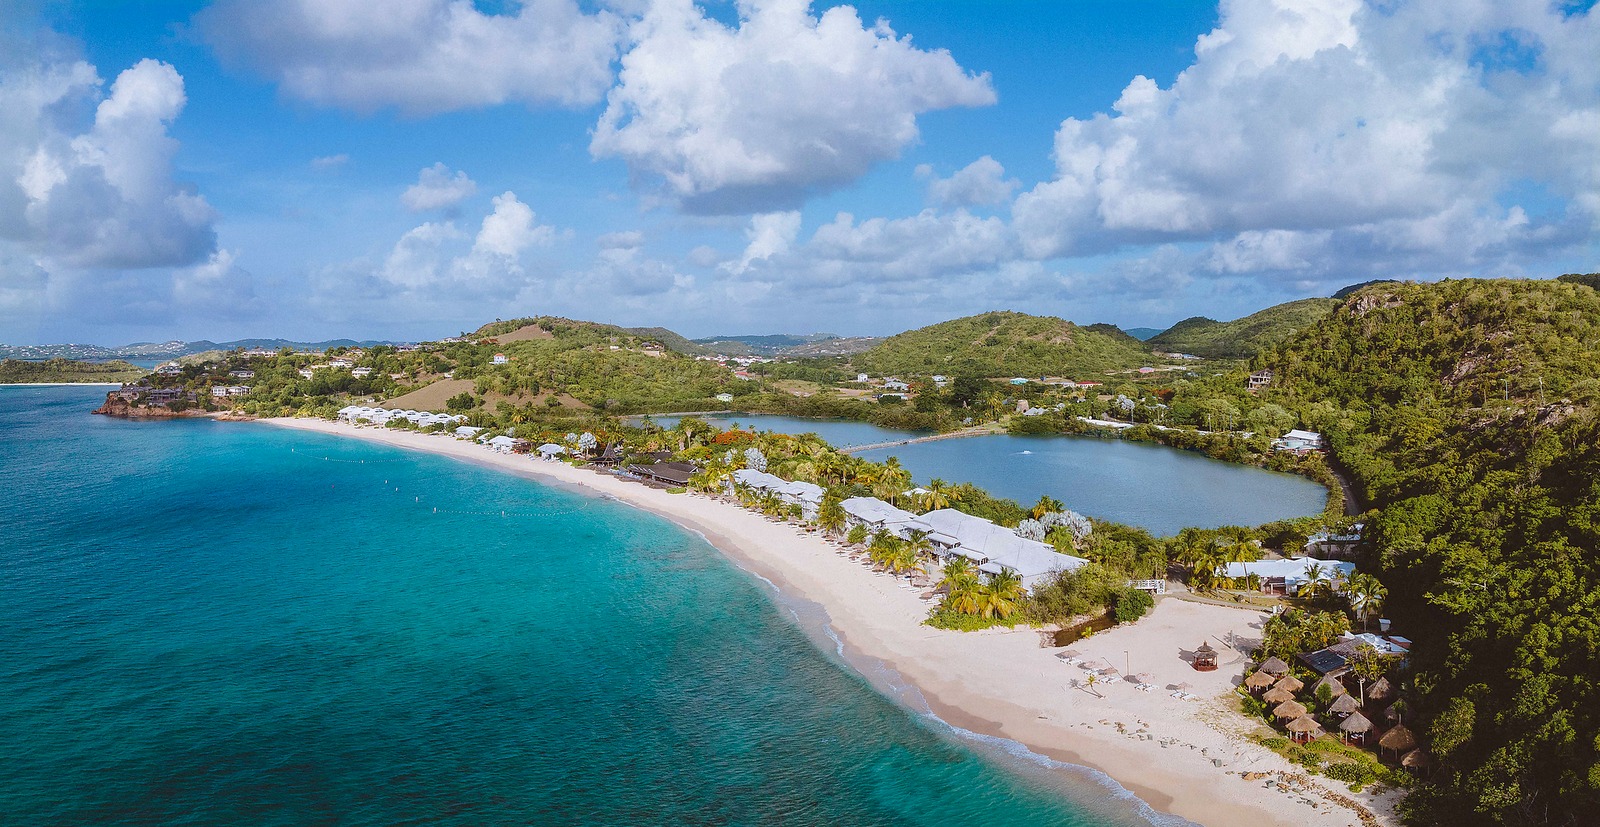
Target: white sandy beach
1165	750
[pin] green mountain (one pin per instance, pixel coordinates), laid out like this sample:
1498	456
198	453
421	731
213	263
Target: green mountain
1003	344
1468	412
17	371
1242	338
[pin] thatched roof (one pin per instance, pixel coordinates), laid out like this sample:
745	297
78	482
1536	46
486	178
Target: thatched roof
1355	724
1276	666
1259	679
1205	646
1344	704
1334	685
1398	739
1289	709
1392	712
1380	690
1277	696
1303	723
1417	759
1291	683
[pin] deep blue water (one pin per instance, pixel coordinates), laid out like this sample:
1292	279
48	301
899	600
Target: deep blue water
209	623
1151	486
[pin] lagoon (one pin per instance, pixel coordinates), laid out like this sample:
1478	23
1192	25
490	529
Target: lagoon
1154	487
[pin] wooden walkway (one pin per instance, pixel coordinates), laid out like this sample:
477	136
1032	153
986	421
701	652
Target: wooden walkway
965	432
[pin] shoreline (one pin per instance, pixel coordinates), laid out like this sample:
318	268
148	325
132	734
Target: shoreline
60	384
1179	757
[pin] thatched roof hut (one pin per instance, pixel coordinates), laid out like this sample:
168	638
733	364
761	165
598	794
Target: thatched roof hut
1380	690
1335	686
1392	712
1418	760
1289	710
1259	680
1277	696
1303	728
1291	683
1398	740
1355	725
1344	704
1275	666
1205	657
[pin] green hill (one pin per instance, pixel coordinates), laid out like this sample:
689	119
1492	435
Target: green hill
17	371
1469	413
1001	344
1242	338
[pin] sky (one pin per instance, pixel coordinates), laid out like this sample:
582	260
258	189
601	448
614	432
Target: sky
412	169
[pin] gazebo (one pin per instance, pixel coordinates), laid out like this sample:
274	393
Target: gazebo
1391	714
1258	680
1355	727
1276	695
1291	683
1417	760
1334	685
1275	666
1303	728
1344	704
1398	740
1205	658
1289	710
1380	690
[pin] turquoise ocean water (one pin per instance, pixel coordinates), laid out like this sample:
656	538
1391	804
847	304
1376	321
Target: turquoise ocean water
210	624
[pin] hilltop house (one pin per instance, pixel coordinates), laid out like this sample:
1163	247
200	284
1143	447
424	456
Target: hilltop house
220	391
500	359
1259	380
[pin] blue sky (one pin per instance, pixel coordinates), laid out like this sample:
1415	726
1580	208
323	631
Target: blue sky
312	168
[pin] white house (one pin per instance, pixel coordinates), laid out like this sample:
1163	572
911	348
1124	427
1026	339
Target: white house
504	444
549	451
500	359
892	384
229	390
1293	574
878	515
467	431
804	494
340	363
361	373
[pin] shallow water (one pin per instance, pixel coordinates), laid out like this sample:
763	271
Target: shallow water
212	623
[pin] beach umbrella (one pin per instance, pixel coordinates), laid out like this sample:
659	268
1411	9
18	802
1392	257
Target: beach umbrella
1145	677
1334	685
1304	727
1380	690
1069	653
1355	724
1259	680
1275	666
1277	696
1289	710
1344	704
1184	687
1398	739
1290	683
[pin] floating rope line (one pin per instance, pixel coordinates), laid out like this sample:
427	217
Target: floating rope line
349	461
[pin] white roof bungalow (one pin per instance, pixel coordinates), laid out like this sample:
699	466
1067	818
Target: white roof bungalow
997	548
878	515
504	444
550	451
1294	572
467	431
804	494
1298	441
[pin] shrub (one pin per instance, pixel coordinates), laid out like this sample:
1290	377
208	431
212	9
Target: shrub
1131	604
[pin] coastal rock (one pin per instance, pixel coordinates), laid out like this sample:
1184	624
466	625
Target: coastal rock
118	405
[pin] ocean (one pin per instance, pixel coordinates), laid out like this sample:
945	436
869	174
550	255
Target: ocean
207	623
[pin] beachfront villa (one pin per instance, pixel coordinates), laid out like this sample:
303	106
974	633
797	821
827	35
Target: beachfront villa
550	451
1290	575
804	494
504	444
467	432
356	414
996	548
877	515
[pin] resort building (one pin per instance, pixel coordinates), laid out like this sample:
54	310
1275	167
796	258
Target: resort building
221	391
665	473
1291	575
467	431
1334	544
804	494
382	416
996	548
550	451
877	515
505	444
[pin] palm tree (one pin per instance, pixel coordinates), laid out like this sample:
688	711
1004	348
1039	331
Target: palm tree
936	495
1046	505
1001	596
1366	595
830	515
961	586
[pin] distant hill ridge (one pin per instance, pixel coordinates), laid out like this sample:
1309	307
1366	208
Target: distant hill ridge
1246	337
1005	343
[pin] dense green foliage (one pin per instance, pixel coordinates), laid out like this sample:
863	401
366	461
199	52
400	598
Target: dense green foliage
1003	344
1466	411
67	370
1246	337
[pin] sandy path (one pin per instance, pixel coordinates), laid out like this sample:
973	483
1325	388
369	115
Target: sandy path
1180	756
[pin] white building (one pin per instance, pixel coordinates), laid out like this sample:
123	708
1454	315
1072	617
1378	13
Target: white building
504	444
550	451
1298	441
361	373
500	359
996	548
804	494
1291	575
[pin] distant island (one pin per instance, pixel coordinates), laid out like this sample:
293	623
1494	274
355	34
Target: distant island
55	371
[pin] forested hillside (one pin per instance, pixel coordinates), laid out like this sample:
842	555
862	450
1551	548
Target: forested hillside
1471	417
67	370
1246	337
1003	344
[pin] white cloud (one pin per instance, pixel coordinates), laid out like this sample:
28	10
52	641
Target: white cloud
326	162
769	234
1334	117
103	196
420	56
980	183
755	118
510	229
216	288
437	188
